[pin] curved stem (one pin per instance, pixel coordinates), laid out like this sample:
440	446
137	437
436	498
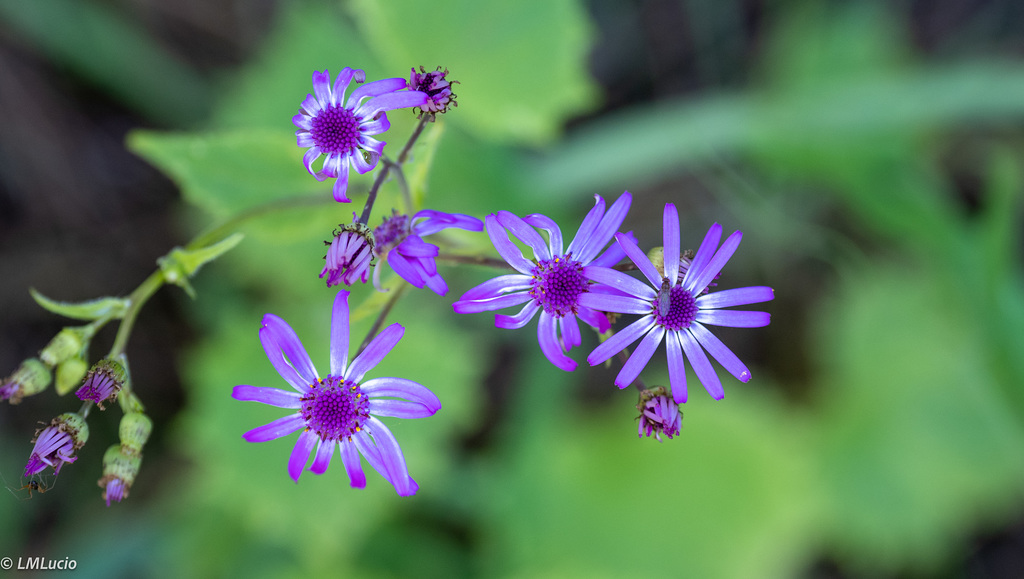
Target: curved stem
381	317
402	158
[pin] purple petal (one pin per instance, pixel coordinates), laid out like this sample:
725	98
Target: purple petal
616	304
670	249
271	396
570	329
322	88
405	269
701	365
303	138
392	456
341	85
734	318
276	429
704	253
428	222
361	164
378	348
309	158
339	333
619	281
640	357
399	408
310	107
375	126
606	228
506	249
300	454
375	88
547	224
720	352
477	306
736	297
590	222
324	451
350	458
525	233
614	254
390	101
281	334
371	144
676	367
370	451
401	388
594	319
494	287
704	277
640	259
548	338
437	284
414	246
620	340
341	185
519	320
277	358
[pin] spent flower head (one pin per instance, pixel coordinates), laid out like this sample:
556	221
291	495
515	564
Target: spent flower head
659	414
399	243
438	89
554	283
350	254
343	129
340	410
675	308
56	443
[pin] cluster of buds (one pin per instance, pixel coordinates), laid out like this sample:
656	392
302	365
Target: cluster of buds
64	354
121	462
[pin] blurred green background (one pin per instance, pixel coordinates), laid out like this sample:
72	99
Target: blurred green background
870	152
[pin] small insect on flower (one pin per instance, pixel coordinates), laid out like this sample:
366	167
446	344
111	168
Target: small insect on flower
34	485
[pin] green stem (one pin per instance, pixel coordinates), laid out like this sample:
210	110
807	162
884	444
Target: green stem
136	300
402	158
381	317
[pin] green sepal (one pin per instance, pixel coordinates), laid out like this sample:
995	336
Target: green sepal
181	264
112	308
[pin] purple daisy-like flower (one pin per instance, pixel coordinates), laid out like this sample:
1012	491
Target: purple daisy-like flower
399	242
350	254
676	308
341	410
56	444
554	283
343	129
659	415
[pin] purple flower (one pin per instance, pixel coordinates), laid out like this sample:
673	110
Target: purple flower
339	411
438	88
399	242
31	377
658	415
675	308
328	124
103	382
57	443
555	281
120	467
349	255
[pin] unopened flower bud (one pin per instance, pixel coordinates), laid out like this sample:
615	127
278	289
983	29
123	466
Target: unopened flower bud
32	377
134	431
658	414
66	344
119	472
104	381
57	442
350	255
438	88
69	374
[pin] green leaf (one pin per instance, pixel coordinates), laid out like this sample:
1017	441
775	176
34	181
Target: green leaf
227	172
181	264
108	307
521	65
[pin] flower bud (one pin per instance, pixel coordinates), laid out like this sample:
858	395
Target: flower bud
103	382
67	343
658	414
119	472
134	431
57	442
32	377
350	255
69	374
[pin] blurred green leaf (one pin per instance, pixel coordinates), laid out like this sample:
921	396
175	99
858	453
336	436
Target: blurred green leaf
521	65
114	54
88	310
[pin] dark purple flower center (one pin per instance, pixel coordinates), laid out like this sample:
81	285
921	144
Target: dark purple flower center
674	307
334	408
335	130
391	232
557	285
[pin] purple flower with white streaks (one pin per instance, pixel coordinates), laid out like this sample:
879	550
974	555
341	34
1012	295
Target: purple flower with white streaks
658	415
399	242
56	444
554	282
339	411
675	307
342	129
350	254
